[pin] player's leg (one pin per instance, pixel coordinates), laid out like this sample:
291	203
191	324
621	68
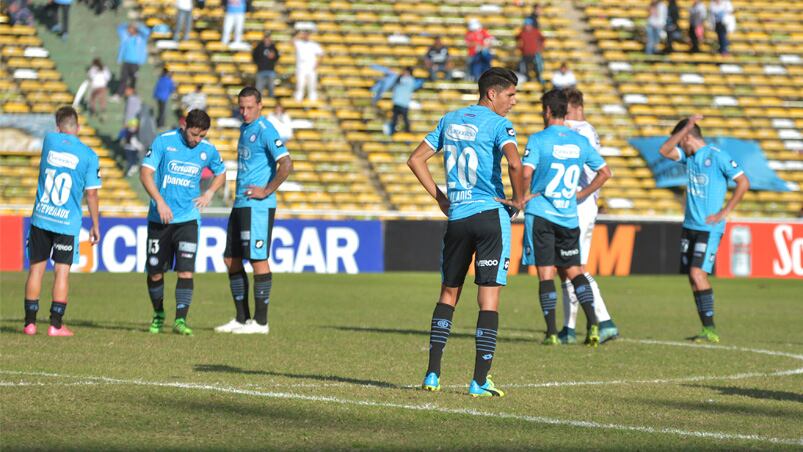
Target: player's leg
567	335
65	250
456	257
704	254
258	252
39	245
185	244
568	257
238	238
492	232
587	215
160	256
544	248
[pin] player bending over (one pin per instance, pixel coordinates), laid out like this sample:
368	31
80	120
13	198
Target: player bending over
553	163
171	174
472	141
248	234
67	169
587	215
709	170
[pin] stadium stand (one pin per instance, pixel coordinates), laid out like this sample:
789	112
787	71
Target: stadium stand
29	83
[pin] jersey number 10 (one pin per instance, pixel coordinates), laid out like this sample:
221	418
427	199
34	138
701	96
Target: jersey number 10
466	162
57	187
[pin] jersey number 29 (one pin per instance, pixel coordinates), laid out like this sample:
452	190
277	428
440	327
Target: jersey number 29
570	176
57	187
466	162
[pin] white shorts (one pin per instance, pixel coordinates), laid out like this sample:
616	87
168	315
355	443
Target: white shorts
587	216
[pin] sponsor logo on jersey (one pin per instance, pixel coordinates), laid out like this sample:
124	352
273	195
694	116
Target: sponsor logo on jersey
462	132
734	164
259	244
487	263
148	154
62	247
203	155
566	151
510	131
252	138
707	162
171	149
700	179
245	153
62	159
572	252
278	143
183	168
98	173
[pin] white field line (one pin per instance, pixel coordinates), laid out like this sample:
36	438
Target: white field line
720	436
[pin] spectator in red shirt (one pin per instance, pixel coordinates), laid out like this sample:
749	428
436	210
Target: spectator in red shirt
478	43
530	43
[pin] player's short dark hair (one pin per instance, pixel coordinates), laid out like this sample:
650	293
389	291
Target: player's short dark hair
250	91
574	96
557	101
496	78
66	118
695	132
198	119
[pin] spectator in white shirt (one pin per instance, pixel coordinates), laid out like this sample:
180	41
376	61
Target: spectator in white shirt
183	19
564	77
656	22
282	122
308	53
99	77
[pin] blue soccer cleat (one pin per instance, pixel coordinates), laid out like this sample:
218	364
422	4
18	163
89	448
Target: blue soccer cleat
607	331
567	336
431	382
486	390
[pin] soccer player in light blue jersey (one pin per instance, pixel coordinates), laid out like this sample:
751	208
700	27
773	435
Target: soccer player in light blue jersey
710	169
553	163
472	141
171	174
263	163
67	169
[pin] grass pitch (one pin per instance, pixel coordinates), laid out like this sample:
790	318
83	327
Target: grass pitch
345	355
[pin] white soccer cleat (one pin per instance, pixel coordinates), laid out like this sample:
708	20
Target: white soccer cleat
229	327
252	327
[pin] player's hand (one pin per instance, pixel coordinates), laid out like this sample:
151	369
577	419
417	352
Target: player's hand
94	234
693	119
256	192
165	214
204	199
717	217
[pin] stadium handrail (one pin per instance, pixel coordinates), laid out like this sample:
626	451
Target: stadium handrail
395	214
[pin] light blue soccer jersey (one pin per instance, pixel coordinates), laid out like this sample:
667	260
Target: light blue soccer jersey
557	154
67	168
709	171
258	151
471	140
177	174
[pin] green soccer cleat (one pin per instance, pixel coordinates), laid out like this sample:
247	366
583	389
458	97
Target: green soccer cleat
592	338
157	322
486	390
180	327
709	334
550	339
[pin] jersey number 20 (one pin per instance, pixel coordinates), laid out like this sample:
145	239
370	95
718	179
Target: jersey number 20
57	187
466	162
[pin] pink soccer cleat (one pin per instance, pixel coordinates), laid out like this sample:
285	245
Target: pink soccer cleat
30	329
62	332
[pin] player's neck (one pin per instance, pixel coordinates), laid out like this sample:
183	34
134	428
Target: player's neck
556	122
487	104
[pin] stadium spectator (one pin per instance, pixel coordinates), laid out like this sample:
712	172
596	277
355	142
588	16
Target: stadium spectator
63	10
308	54
535	14
478	44
564	77
437	60
133	105
265	55
99	77
183	20
723	21
234	19
530	43
194	100
672	27
656	22
165	87
402	95
132	147
19	13
56	219
697	15
281	121
133	52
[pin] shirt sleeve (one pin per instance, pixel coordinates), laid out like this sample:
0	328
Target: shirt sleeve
154	155
273	144
681	155
435	138
531	153
93	173
593	159
216	162
729	167
504	134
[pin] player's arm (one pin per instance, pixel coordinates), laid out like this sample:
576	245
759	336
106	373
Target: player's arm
603	174
669	148
742	185
516	173
285	167
418	165
146	178
92	203
206	197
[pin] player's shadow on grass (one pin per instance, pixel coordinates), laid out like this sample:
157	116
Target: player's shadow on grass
327	378
757	393
367	329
